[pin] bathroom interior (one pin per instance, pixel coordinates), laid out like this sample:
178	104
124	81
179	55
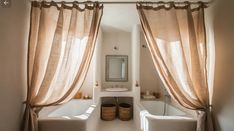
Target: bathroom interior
123	85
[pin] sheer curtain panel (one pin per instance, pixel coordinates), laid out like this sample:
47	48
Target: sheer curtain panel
61	43
176	38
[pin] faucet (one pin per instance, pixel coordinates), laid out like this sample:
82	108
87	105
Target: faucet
166	94
167	97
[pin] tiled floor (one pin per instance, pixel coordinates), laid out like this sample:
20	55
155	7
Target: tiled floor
117	125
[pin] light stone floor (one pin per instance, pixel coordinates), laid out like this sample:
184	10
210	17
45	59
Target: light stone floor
117	125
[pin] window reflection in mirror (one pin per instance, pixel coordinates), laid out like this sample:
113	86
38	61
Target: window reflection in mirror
117	68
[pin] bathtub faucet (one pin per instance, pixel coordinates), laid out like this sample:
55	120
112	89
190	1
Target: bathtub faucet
167	96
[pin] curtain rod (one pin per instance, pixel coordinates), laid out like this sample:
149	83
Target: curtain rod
135	2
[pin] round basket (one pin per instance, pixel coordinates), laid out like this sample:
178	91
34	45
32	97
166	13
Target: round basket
108	112
125	111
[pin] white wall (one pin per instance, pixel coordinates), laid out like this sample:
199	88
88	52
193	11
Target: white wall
123	41
98	58
136	43
223	98
14	27
149	78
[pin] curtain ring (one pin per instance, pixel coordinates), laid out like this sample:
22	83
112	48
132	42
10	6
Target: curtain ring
151	3
63	4
147	3
171	4
43	3
159	3
201	4
96	4
75	4
35	4
24	102
52	3
88	2
187	3
137	3
140	3
210	106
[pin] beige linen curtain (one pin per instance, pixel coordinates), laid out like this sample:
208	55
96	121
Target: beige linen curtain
61	44
176	38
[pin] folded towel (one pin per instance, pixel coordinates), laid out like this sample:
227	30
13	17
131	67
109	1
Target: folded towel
148	97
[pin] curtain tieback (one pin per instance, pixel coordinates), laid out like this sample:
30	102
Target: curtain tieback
210	106
28	104
205	109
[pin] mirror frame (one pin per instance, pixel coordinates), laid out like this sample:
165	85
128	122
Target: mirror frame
107	68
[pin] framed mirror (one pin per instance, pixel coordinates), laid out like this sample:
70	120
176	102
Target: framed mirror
117	68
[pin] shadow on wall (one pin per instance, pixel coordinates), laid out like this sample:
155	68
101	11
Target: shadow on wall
223	98
14	27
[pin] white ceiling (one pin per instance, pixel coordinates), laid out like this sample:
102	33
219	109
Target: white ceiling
119	17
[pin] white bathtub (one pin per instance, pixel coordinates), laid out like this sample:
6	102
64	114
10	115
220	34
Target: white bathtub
149	115
76	115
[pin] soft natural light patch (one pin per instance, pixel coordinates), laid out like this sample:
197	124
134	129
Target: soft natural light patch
172	54
50	90
90	110
162	43
66	117
179	62
202	49
83	116
210	58
93	106
123	69
87	113
74	58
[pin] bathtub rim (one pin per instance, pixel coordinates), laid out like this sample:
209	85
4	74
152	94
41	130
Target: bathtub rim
187	117
45	115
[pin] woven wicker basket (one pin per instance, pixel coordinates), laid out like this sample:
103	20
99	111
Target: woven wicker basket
108	112
125	111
